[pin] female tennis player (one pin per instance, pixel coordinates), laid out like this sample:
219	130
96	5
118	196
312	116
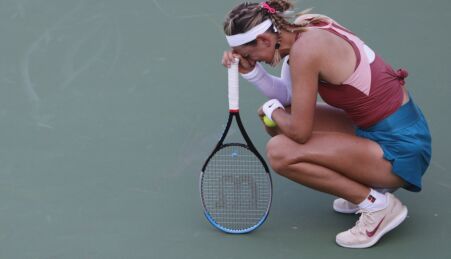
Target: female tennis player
369	136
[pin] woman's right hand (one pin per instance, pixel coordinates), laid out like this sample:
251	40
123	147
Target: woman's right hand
245	66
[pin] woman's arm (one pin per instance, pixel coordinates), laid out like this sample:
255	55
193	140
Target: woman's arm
305	62
271	86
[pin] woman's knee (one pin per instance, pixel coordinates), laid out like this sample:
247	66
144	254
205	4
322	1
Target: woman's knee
280	152
275	152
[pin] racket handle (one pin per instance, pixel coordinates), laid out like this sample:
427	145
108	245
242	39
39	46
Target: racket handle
233	82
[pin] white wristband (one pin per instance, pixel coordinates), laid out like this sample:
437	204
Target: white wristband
270	106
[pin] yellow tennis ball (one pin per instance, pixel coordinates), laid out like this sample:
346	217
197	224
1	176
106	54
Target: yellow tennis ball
268	122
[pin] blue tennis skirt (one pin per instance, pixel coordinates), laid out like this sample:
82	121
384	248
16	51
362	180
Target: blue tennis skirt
406	141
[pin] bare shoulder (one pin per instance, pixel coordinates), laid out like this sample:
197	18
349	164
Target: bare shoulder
311	44
322	52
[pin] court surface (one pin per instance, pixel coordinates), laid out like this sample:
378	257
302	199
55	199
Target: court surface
108	109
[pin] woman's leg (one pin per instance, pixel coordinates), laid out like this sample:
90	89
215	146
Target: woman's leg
331	119
336	163
327	118
334	160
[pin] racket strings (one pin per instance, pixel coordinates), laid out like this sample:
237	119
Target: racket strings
236	189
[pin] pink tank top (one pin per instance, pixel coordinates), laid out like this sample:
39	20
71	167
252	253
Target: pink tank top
372	92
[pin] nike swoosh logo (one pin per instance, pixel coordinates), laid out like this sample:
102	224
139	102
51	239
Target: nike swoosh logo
371	233
269	106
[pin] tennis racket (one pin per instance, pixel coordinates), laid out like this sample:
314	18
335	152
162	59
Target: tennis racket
235	184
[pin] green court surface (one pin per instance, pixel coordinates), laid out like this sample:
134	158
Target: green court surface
108	109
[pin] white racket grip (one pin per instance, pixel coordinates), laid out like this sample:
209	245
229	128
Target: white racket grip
233	82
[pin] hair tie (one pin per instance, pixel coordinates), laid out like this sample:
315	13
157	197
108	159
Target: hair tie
267	7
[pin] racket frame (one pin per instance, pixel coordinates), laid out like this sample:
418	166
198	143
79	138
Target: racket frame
250	146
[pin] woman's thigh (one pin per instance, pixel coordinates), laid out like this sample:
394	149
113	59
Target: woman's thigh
357	158
329	118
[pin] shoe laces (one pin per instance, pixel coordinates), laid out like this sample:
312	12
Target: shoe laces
366	219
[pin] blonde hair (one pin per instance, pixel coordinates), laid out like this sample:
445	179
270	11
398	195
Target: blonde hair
245	16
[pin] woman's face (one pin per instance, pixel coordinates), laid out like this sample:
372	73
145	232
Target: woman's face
262	51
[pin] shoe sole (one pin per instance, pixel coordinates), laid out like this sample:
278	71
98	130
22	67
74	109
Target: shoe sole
396	222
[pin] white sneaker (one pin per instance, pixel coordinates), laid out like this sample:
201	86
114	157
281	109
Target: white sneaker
373	225
344	206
